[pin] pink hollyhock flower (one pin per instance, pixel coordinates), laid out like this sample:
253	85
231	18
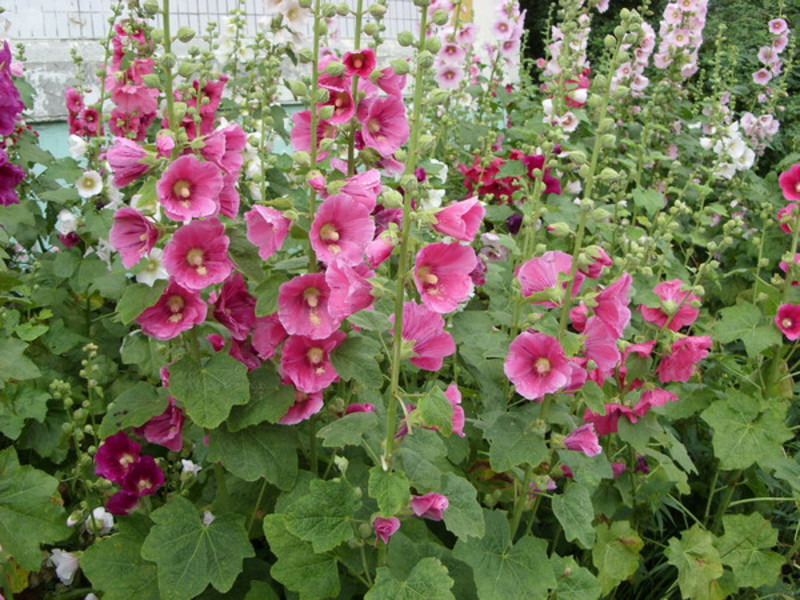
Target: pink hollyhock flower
121	503
267	229
686	353
676	310
579	315
115	457
344	106
536	365
601	259
268	334
612	305
762	77
341	230
787	217
441	273
303	307
165	429
790	183
385	126
189	189
197	254
460	220
125	159
301	132
449	76
235	307
307	362
350	288
132	235
144	478
423	331
453	395
651	398
788	320
385	528
176	311
542	273
359	62
224	148
217	341
359	407
229	197
305	405
165	145
430	506
364	188
600	345
380	249
584	439
777	26
606	424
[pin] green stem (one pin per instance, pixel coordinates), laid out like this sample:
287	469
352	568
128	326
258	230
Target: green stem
711	491
726	499
312	200
351	138
522	499
255	508
312	443
168	70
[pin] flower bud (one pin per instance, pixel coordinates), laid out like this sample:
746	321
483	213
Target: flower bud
371	29
404	38
440	17
433	44
342	9
334	68
400	66
185	34
326	112
377	11
298	88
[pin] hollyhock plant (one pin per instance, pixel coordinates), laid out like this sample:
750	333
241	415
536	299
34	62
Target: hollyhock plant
790	183
235	307
197	255
177	310
460	220
165	429
385	528
116	456
542	273
268	334
304	407
132	235
424	334
385	126
189	189
676	310
685	354
788	320
307	364
266	229
536	365
303	307
341	230
584	439
441	273
144	479
430	506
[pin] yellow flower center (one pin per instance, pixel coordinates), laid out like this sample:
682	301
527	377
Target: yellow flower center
315	355
542	365
182	190
311	296
195	258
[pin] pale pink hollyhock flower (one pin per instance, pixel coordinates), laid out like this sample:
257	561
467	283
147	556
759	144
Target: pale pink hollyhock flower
542	273
788	320
777	26
451	53
125	159
612	305
602	6
132	235
267	229
762	77
176	311
304	407
385	528
341	230
651	398
600	344
467	34
430	506
536	365
460	220
676	310
779	43
235	307
453	395
767	55
189	189
584	439
268	334
790	183
359	62
379	249
307	362
301	132
165	429
350	289
423	330
303	307
685	354
385	126
607	423
364	188
442	275
197	254
449	76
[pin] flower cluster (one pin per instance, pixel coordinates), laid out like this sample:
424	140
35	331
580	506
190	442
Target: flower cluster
770	55
681	32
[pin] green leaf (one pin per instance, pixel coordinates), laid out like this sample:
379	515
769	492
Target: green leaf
697	561
574	582
389	489
18	403
514	441
463	516
266	294
743	434
132	408
29	332
13	363
209	391
268	451
423	457
115	566
261	590
137	298
348	431
747	323
269	401
436	411
298	568
742	548
370	320
324	516
574	511
511	168
354	358
503	571
650	200
428	580
615	553
61	195
244	254
30	511
190	554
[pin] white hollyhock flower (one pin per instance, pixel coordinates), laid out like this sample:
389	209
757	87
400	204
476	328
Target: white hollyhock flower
100	521
66	222
77	146
153	270
189	467
89	184
208	518
66	564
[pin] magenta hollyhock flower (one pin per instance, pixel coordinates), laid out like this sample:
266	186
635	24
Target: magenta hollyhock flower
11	105
601	259
385	528
165	429
441	273
224	148
430	506
542	273
189	189
536	365
460	220
268	334
235	307
304	407
197	254
115	457
245	353
303	307
787	217
584	439
676	310
229	197
267	229
341	230
121	503
144	478
177	310
685	354
217	341
350	288
423	331
790	183
359	407
788	320
612	305
307	364
651	398
359	62
600	345
385	126
132	235
125	157
10	177
607	423
453	395
578	315
301	132
364	188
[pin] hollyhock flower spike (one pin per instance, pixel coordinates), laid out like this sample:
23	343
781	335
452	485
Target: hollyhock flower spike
304	407
189	189
177	310
307	362
584	439
788	320
424	334
303	307
676	310
385	528
132	235
686	353
460	220
790	183
267	229
442	275
11	106
115	457
341	230
430	506
197	254
536	365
